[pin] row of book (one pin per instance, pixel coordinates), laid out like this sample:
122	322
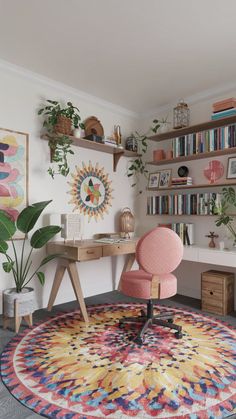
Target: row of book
182	204
205	141
184	230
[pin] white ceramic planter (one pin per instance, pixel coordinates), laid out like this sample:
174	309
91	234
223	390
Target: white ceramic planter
78	133
26	301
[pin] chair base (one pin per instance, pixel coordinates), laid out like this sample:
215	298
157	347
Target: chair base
147	319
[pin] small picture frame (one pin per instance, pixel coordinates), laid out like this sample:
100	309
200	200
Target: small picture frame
231	168
165	178
153	180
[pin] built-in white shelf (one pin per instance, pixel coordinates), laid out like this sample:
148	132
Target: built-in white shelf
209	255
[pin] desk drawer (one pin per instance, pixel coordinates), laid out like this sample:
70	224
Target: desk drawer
90	253
118	249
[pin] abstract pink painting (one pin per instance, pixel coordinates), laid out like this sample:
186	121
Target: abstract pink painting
13	172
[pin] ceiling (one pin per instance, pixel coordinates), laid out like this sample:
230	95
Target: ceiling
139	54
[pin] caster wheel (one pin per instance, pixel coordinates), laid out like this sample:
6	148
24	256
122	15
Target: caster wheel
170	321
138	340
178	335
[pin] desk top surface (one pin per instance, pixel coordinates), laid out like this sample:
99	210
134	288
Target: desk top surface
90	243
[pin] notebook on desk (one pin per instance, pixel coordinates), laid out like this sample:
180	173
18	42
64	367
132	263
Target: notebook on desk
110	240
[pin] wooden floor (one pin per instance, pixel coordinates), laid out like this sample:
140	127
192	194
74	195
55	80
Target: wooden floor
12	409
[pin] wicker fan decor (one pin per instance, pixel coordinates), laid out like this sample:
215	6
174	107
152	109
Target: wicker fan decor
93	126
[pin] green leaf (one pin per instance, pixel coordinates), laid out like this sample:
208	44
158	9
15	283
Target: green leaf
41	277
7	226
3	246
7	266
29	216
49	258
43	235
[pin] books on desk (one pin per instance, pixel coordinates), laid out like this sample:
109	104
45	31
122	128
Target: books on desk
110	240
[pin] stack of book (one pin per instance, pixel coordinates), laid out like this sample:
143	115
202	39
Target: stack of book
181	181
224	108
110	141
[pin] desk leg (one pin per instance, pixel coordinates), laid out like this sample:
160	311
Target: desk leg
74	277
56	284
127	266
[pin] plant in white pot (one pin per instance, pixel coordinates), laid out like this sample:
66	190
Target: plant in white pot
19	262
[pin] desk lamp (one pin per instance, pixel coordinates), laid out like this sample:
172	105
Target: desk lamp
126	222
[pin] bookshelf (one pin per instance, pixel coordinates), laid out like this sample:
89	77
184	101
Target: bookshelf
194	128
93	145
206	140
207	155
197	186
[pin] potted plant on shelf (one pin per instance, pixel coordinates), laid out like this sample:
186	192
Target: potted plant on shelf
59	122
221	207
19	264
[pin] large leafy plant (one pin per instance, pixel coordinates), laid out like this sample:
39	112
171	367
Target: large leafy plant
221	208
19	264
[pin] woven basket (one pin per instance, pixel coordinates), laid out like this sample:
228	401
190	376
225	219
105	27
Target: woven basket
63	125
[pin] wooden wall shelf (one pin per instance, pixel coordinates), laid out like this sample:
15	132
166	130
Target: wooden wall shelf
199	186
194	128
198	156
92	145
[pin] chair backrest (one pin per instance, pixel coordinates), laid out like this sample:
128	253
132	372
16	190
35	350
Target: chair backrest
159	251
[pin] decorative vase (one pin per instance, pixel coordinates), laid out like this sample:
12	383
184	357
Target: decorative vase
164	127
25	298
78	132
158	154
131	144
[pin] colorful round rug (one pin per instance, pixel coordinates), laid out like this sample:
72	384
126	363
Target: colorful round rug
63	369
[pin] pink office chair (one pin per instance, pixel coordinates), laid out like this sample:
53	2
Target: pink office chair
158	253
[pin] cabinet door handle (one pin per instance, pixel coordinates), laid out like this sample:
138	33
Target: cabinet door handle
90	252
211	292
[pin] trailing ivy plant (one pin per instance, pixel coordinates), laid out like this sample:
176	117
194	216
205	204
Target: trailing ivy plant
137	167
60	145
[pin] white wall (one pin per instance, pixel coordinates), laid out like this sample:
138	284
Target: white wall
21	97
189	273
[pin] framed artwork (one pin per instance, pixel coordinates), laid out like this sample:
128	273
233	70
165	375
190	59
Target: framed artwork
13	172
231	169
165	178
153	180
91	191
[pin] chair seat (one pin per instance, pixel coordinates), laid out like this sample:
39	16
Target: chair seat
137	284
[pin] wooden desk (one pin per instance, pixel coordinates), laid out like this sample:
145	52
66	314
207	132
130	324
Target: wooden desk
86	250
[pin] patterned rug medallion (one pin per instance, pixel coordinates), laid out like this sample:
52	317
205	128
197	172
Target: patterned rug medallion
64	369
